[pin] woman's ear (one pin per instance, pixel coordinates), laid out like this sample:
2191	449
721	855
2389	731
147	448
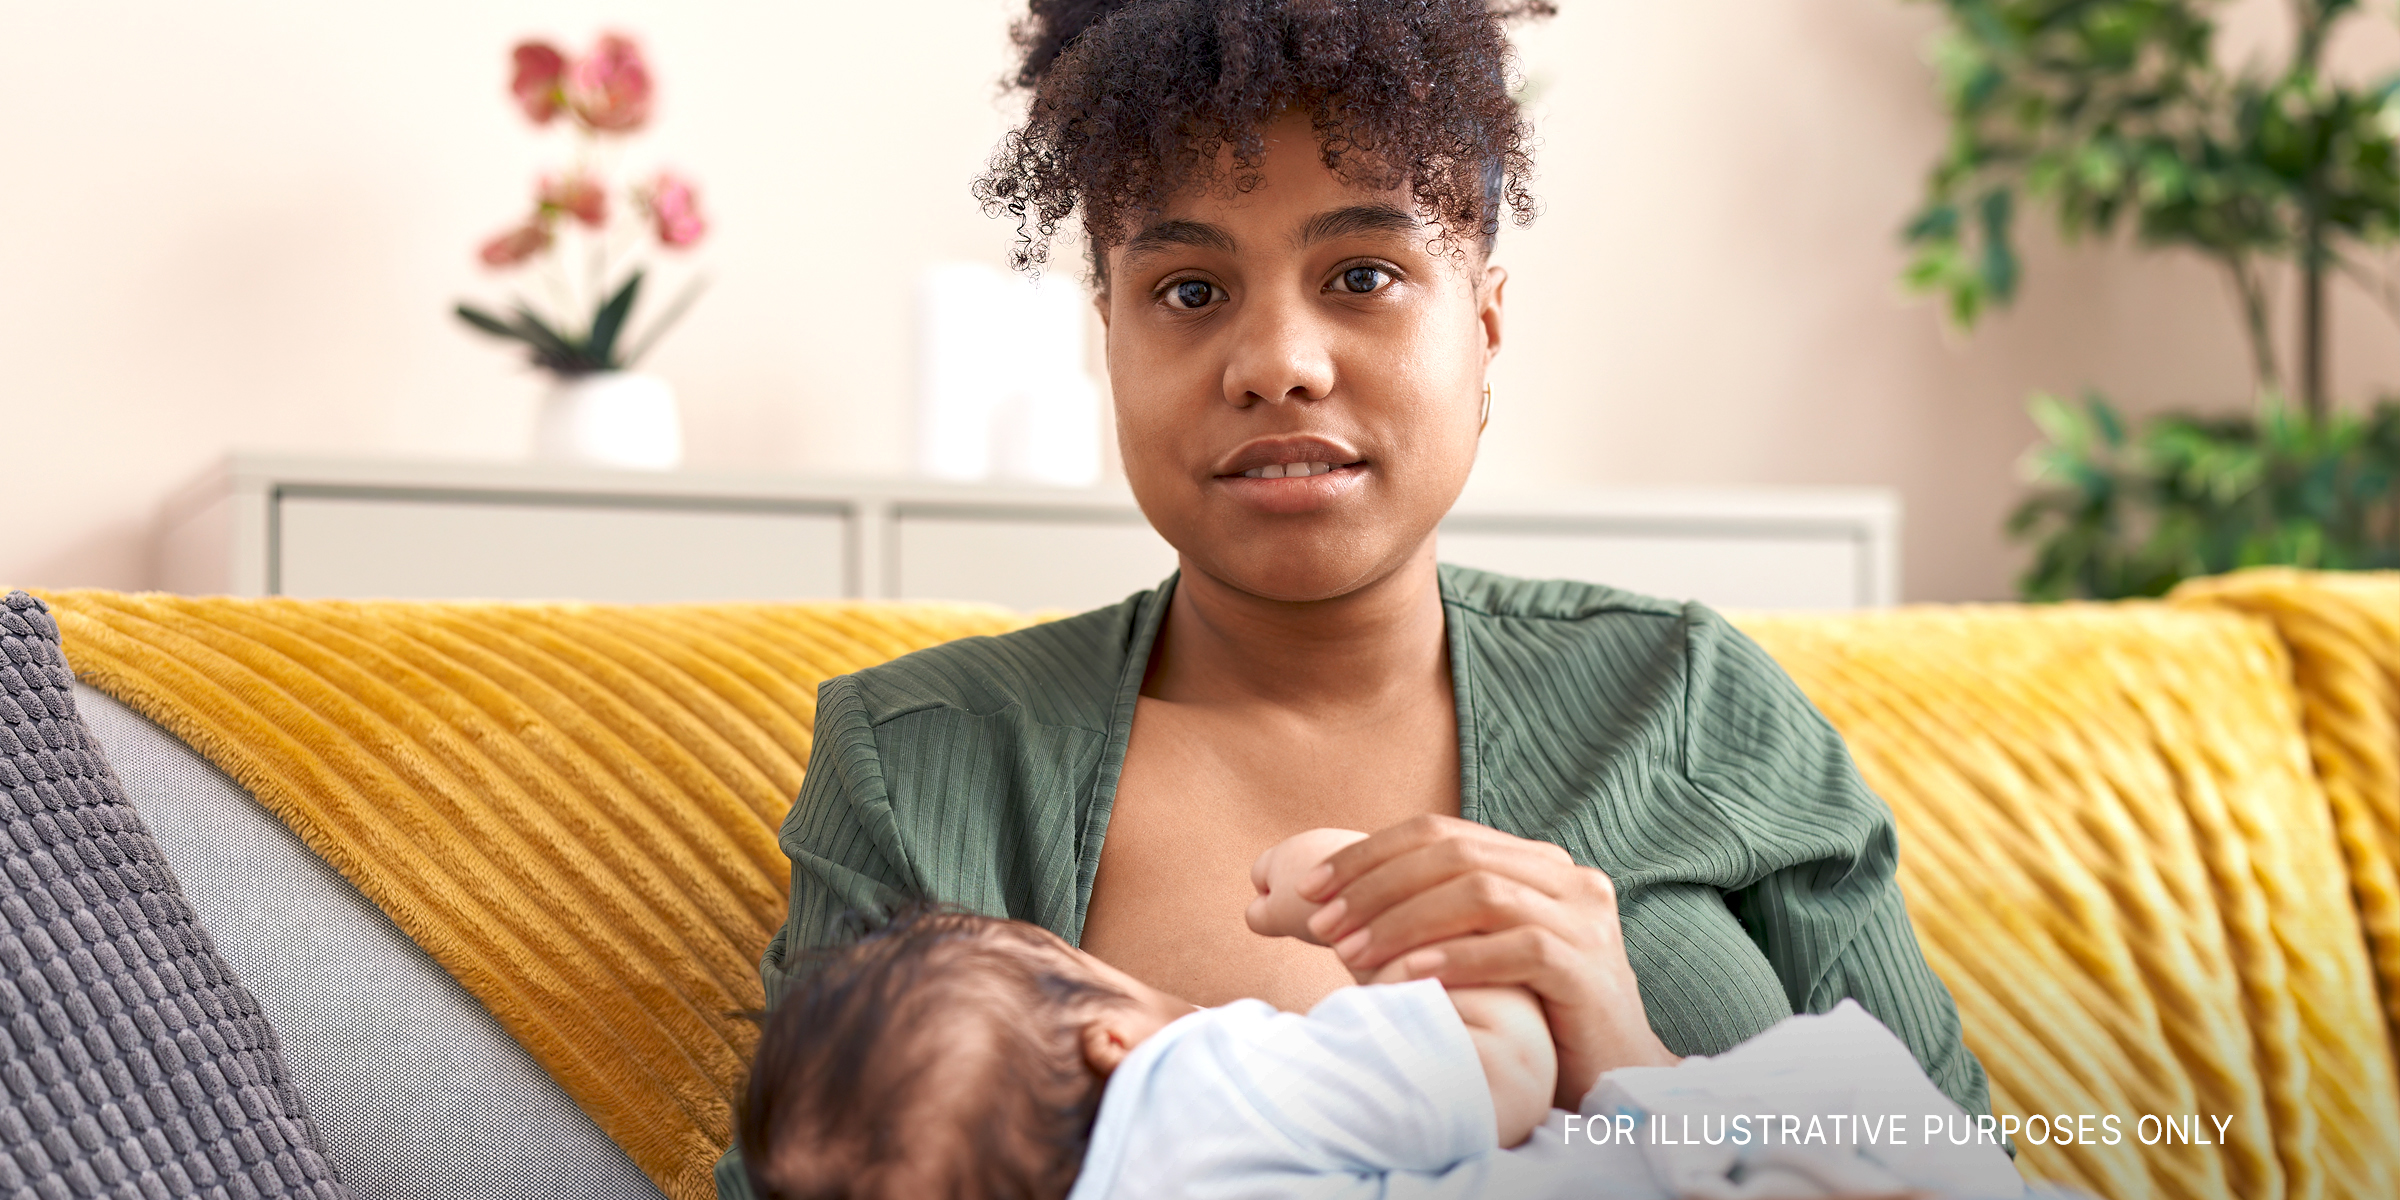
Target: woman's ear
1495	282
1107	1038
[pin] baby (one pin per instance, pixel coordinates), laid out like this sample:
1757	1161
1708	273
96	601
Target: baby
955	1055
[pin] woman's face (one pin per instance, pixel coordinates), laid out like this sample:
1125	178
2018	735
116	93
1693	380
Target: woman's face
1302	329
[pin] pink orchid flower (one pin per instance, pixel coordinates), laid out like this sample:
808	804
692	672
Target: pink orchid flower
579	196
536	85
609	89
675	209
517	245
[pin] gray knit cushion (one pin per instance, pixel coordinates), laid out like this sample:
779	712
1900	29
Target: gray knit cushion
134	1064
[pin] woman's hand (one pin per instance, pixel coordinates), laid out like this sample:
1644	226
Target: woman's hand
1472	906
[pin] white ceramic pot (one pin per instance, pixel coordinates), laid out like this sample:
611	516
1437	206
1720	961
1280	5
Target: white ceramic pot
610	419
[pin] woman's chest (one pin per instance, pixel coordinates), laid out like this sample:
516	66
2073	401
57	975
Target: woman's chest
1201	794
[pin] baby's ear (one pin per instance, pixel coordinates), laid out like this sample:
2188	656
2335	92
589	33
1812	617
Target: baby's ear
1105	1044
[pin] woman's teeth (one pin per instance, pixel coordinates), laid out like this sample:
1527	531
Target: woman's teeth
1287	471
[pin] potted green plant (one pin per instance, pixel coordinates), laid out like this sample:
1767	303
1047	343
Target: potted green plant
2117	115
598	410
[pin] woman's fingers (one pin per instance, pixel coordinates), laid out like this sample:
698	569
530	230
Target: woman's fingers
1424	865
1360	858
1474	906
1525	956
1475	902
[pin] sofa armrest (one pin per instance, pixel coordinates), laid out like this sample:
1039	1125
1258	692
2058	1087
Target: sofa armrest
417	1091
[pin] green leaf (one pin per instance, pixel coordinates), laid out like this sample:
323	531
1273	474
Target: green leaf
2058	421
1999	268
2105	419
1936	222
551	348
601	346
487	322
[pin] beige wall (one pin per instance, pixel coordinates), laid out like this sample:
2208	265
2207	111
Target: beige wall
242	224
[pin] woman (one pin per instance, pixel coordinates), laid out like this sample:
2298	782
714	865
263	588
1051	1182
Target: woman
1617	802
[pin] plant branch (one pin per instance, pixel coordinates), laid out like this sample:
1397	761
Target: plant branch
2255	323
2312	318
2312	18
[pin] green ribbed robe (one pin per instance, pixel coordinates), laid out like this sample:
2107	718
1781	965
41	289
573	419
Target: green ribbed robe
1651	740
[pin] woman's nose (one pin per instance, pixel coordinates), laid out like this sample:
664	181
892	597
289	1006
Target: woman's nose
1281	351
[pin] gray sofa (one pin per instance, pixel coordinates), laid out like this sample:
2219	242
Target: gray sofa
416	1090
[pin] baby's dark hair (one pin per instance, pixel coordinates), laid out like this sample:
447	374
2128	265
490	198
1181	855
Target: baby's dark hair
939	1055
1134	100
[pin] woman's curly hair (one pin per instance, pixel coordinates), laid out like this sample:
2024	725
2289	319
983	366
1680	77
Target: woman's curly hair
1134	100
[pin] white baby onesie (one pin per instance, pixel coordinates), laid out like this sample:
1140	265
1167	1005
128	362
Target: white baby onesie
1378	1093
1245	1101
1832	1104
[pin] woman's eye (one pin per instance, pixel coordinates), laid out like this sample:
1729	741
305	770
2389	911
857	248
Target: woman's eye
1362	280
1191	294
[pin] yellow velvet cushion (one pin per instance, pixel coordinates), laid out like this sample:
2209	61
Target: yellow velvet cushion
571	807
2343	631
2118	858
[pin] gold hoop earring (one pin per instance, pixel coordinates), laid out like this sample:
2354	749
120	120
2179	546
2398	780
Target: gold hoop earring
1487	409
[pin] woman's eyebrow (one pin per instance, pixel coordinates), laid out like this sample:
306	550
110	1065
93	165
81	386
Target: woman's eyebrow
1196	234
1357	220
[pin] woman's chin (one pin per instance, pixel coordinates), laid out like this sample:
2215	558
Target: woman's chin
1301	569
1298	540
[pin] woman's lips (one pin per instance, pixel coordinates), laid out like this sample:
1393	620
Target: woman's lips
1312	453
1291	492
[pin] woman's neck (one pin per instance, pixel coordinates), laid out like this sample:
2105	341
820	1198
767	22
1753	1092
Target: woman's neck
1223	645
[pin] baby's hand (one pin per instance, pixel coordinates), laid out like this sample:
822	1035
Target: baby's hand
1279	910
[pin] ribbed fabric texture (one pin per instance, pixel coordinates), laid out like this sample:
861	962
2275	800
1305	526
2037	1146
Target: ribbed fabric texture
2343	632
1753	867
2121	863
570	807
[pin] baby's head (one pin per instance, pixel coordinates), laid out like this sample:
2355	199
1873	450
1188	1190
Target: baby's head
943	1054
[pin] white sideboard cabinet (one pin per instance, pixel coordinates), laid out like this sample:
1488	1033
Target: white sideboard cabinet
262	525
